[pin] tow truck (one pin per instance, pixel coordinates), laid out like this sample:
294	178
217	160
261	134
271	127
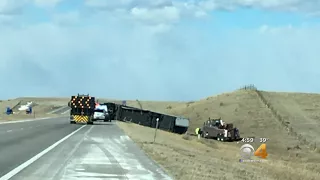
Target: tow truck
217	129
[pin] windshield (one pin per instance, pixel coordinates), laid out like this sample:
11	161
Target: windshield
98	110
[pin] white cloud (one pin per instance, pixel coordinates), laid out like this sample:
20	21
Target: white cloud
46	3
157	16
141	52
158	11
282	5
11	7
137	63
66	19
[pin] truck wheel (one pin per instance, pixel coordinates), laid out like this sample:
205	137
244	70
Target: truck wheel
220	137
206	135
107	119
72	122
90	123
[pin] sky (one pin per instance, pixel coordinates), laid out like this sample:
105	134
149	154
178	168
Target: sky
157	50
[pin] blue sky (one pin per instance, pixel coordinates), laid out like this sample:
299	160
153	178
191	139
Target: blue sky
157	50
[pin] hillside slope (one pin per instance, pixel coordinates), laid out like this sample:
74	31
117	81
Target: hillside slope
301	111
246	111
289	156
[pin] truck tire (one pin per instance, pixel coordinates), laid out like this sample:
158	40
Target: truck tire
90	121
220	137
107	119
205	135
72	122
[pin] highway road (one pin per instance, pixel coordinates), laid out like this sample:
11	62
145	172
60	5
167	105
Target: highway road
55	149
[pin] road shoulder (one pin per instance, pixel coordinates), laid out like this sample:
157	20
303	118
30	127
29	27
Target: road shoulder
97	151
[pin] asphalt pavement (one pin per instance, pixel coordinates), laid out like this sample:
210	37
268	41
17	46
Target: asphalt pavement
55	149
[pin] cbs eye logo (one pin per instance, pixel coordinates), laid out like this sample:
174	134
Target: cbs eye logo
247	151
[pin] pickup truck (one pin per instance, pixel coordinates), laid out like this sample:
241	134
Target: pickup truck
101	113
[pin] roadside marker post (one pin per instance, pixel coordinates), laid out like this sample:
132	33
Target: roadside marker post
155	132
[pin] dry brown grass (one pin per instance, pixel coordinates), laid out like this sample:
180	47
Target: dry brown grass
301	111
43	106
205	159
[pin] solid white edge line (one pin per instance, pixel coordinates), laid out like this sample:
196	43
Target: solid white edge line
28	120
56	110
36	157
66	111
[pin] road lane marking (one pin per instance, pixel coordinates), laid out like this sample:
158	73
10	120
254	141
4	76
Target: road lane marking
9	131
36	157
56	110
27	120
66	111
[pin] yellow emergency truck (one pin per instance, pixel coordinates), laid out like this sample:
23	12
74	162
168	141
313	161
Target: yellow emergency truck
82	109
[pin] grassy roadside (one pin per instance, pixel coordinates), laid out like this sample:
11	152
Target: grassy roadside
187	158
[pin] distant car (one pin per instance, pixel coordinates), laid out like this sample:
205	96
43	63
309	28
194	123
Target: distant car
101	113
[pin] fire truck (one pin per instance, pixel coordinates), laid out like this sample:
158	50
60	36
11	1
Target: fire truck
82	109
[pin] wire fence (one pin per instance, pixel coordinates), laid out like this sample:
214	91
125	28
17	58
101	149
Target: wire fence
279	117
249	87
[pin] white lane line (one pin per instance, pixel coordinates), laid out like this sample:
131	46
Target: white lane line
9	131
60	108
27	120
66	111
36	157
